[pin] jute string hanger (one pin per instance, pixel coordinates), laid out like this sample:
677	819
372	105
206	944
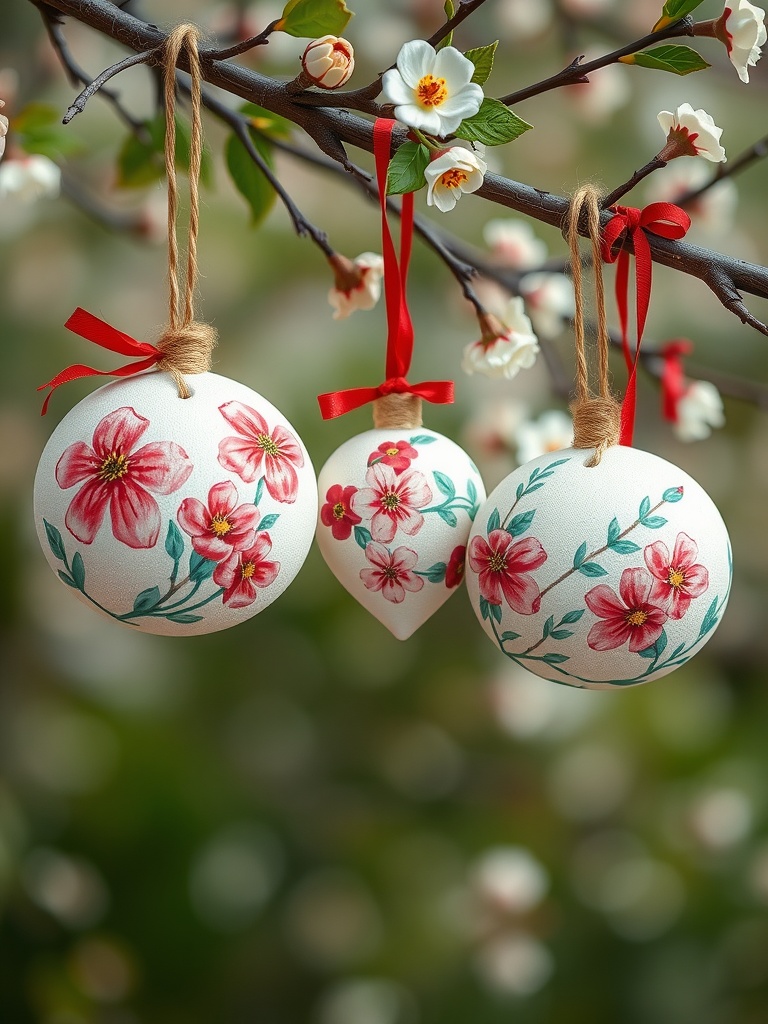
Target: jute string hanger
186	344
596	416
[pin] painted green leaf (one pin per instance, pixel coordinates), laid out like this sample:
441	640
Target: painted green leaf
678	650
448	516
485	608
268	521
509	635
613	530
422	439
493	124
580	555
654	522
496	612
78	571
521	522
259	491
554	465
625	547
435	573
673	494
494	521
519	491
482	58
592	569
362	537
200	568
710	619
174	542
676	9
645	508
549	625
406	169
184	618
655	650
471	491
555	659
679	60
66	578
561	634
312	18
249	180
571	617
55	543
147	599
444	483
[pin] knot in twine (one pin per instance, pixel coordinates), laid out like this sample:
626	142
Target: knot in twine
596	417
186	349
397	409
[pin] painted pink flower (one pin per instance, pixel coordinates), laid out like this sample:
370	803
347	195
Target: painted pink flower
116	476
392	573
631	615
222	526
504	568
244	573
397	454
392	502
337	512
256	450
679	578
454	570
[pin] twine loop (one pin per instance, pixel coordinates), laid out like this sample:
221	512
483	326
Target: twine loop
397	409
186	349
596	415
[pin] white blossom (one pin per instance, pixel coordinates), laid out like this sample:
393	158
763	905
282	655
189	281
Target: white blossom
699	411
744	30
454	171
357	284
3	129
691	133
514	963
509	878
514	244
551	432
432	89
28	178
549	301
507	353
329	62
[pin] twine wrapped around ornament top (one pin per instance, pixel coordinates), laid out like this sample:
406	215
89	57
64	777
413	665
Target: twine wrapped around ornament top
596	417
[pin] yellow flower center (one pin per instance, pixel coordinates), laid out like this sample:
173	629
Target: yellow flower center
431	91
497	562
454	178
265	441
220	525
113	467
247	570
390	501
676	577
393	451
339	509
636	618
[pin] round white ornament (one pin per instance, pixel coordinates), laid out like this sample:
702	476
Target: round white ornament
175	516
396	507
603	576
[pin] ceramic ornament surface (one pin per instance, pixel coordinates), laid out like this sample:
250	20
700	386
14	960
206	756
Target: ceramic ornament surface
599	577
396	507
175	516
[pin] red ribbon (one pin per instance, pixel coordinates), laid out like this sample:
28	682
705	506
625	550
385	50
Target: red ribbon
673	384
101	333
663	219
400	327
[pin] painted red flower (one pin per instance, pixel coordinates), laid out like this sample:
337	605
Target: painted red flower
397	454
392	502
631	615
222	526
504	568
258	450
244	573
337	512
116	476
391	573
454	570
680	577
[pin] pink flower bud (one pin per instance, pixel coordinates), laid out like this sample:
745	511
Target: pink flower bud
328	62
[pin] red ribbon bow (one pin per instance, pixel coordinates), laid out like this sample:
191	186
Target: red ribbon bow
673	385
400	327
101	333
663	219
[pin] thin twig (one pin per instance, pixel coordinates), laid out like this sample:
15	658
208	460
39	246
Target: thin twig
261	39
621	190
757	151
78	106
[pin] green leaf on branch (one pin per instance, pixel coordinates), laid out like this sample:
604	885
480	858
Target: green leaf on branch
493	125
266	122
313	18
674	10
450	10
249	179
146	600
482	58
174	541
141	162
39	130
679	60
406	169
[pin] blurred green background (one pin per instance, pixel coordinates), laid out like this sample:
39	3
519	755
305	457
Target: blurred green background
304	819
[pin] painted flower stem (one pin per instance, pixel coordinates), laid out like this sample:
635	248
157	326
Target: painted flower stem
449	503
599	551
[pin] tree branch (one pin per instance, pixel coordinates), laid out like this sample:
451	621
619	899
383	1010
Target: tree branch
78	106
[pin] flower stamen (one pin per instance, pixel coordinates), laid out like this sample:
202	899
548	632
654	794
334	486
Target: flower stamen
113	467
339	510
247	570
265	442
220	525
431	91
636	617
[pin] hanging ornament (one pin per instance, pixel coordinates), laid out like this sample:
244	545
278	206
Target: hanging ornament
397	502
600	565
170	505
